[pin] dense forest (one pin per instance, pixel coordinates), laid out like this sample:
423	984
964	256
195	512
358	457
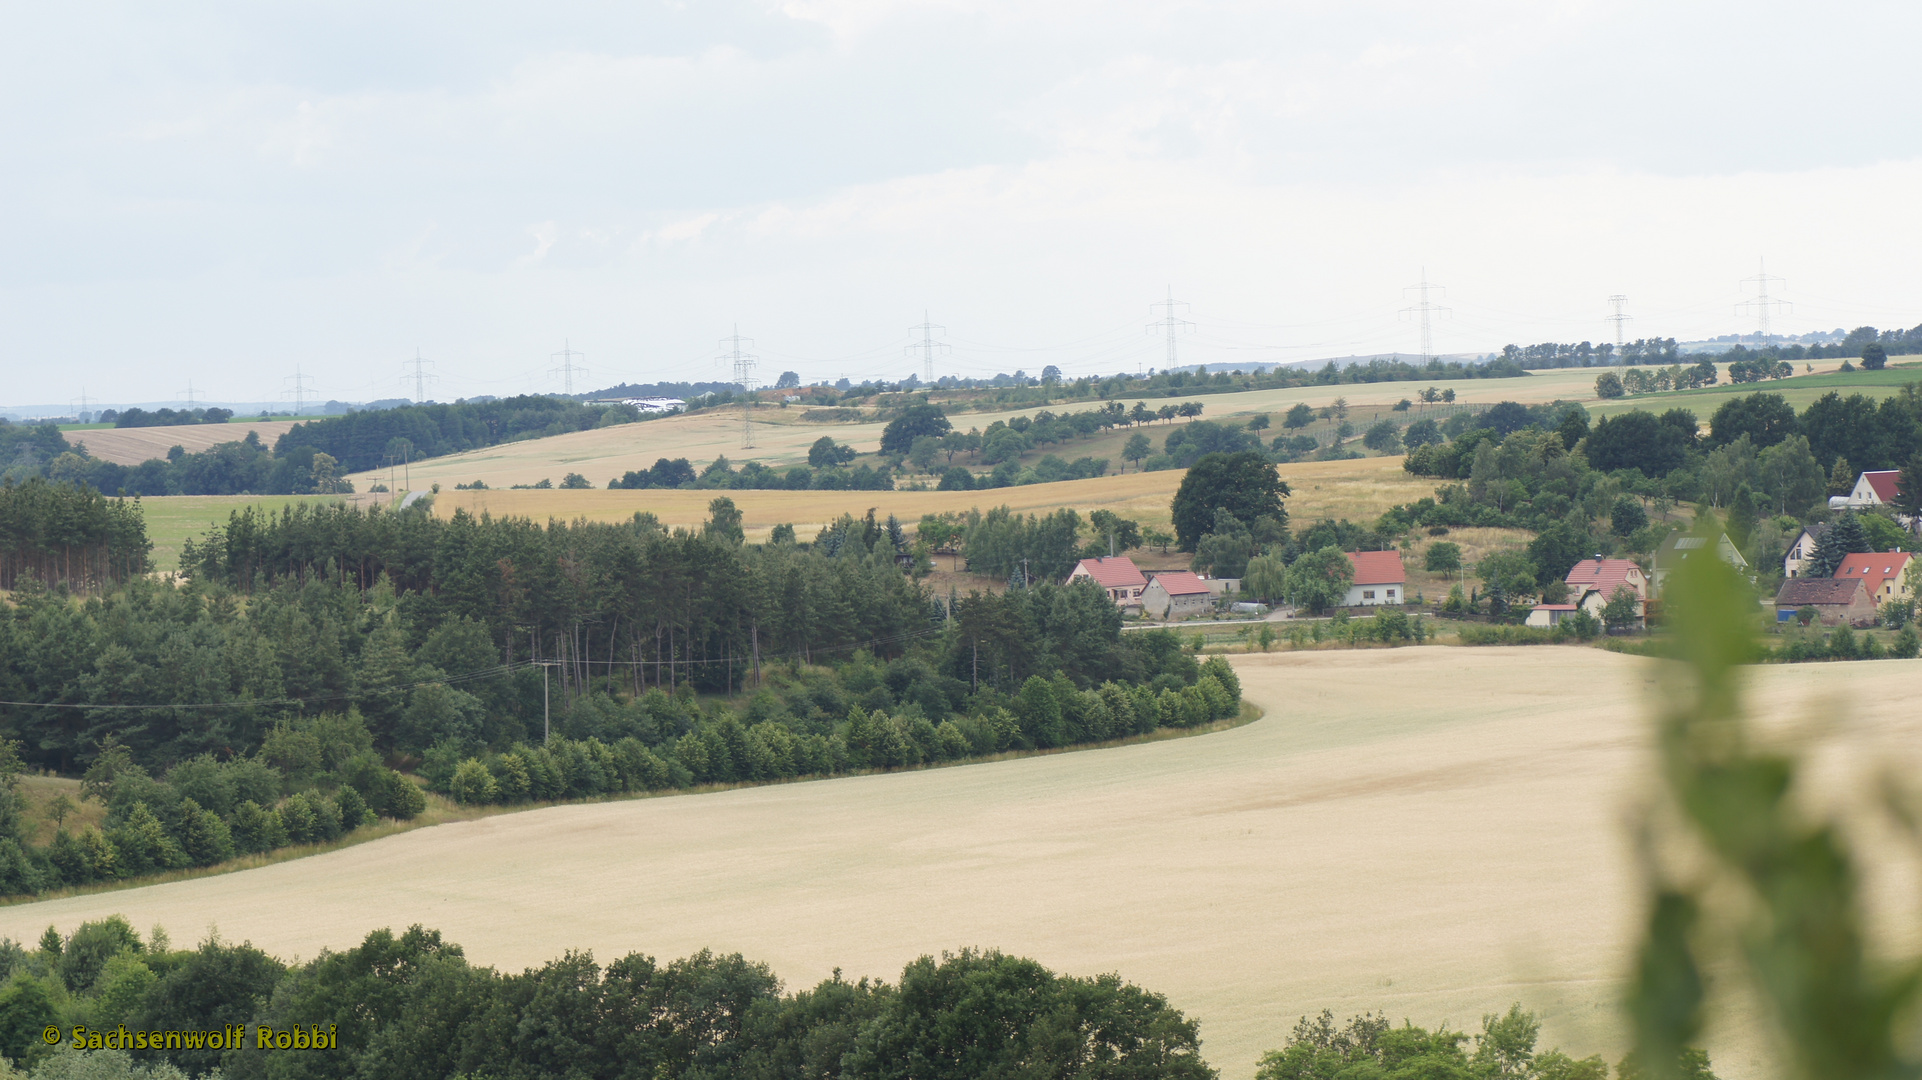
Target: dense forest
1666	351
264	698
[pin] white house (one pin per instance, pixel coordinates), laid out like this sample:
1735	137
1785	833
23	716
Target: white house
1548	615
656	404
1592	583
1801	549
1872	489
1379	579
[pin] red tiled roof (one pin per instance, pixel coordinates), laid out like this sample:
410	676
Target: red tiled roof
1377	567
1181	583
1112	572
1883	483
1602	575
1801	591
1554	607
1873	568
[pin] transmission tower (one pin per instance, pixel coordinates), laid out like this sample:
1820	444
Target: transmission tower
1168	322
419	375
1618	316
299	392
568	367
82	410
1424	310
188	393
1761	304
744	375
927	347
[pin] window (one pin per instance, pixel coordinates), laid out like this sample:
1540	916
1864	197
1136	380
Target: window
1391	594
1368	594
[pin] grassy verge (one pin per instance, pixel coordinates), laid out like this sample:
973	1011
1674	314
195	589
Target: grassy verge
441	811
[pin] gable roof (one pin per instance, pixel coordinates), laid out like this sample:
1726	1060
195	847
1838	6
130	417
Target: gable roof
1873	568
1677	547
1112	572
1882	483
1802	591
1813	532
1180	583
1602	575
1378	567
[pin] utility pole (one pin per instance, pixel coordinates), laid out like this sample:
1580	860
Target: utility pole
927	347
568	367
1618	316
1423	309
420	376
744	375
1761	303
1169	323
300	392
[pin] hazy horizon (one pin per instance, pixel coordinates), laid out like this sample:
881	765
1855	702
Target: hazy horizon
216	193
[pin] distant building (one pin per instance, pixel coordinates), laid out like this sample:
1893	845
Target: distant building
1177	594
1801	549
1549	615
656	404
1115	573
1679	546
1592	583
1837	601
1872	489
1379	579
1881	574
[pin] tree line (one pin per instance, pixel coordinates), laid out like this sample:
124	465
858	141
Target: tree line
71	534
137	417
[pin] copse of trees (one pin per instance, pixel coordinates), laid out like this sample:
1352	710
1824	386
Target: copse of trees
411	1004
1244	484
70	534
363	441
138	417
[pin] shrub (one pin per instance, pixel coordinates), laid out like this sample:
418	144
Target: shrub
473	784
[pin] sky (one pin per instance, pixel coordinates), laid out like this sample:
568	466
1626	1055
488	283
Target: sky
224	194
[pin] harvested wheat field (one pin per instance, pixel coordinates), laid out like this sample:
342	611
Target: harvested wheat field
1429	831
1360	490
131	446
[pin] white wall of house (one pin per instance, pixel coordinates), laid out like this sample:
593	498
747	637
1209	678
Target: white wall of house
1375	595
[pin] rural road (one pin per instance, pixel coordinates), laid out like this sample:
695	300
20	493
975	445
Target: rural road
1433	832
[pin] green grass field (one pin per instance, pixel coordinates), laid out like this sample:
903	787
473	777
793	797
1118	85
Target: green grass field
1800	390
171	520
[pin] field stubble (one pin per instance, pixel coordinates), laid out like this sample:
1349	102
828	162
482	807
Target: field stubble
1433	832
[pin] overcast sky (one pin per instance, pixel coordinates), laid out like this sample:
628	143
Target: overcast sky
221	192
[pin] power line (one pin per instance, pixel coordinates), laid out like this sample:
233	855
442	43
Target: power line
1618	316
567	367
1169	323
300	392
1761	303
1422	308
189	393
744	375
927	346
419	375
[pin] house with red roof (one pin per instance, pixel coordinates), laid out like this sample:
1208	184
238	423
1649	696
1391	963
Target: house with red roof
1117	574
1872	489
1379	579
1592	583
1177	594
1882	574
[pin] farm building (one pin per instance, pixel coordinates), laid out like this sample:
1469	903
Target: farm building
1593	582
1115	573
1379	579
1802	548
1883	574
1837	601
1548	615
1679	546
1177	594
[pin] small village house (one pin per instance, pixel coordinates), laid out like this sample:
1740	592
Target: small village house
1882	574
1117	574
1379	579
1801	549
1837	601
1592	583
1679	546
1177	594
1549	615
1873	489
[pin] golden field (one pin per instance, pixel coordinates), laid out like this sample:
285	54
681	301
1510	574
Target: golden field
131	446
1432	832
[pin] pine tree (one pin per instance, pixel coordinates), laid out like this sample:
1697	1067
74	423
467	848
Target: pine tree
1845	537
